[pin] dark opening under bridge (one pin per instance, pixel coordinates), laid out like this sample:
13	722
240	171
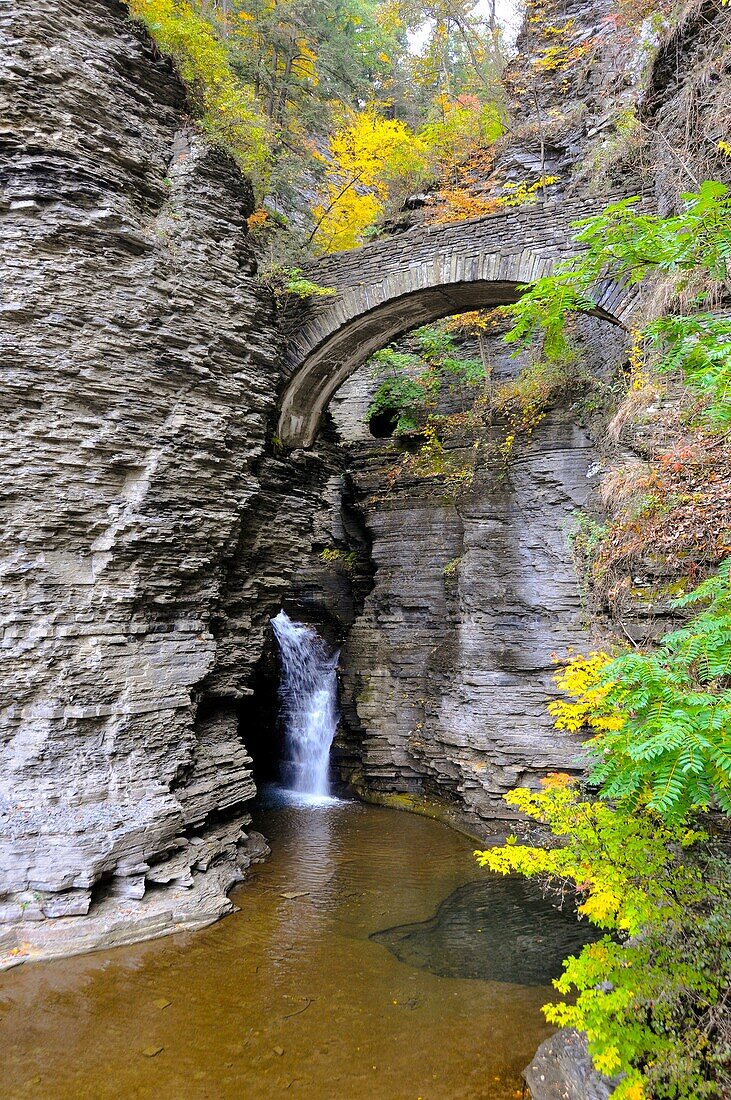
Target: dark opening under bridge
387	288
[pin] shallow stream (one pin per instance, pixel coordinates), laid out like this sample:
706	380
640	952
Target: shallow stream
360	966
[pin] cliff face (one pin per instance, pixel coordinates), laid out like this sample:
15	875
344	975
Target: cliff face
447	671
141	364
149	531
449	668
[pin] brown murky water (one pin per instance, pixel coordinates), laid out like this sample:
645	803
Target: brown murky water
290	996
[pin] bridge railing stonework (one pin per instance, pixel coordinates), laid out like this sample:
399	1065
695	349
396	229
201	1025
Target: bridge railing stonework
389	287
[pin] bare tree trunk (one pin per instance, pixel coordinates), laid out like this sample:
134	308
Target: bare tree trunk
282	98
492	17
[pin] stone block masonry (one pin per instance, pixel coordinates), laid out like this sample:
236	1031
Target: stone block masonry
389	287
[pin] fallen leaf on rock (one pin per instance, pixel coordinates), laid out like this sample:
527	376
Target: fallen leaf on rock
151	1052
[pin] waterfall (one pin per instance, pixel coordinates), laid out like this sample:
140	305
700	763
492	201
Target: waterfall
308	694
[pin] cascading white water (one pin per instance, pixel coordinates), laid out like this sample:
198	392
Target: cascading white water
308	694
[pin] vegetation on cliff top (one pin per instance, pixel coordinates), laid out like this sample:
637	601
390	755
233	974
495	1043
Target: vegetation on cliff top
228	109
330	108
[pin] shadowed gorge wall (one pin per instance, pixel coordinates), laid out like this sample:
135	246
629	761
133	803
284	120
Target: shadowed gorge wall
447	672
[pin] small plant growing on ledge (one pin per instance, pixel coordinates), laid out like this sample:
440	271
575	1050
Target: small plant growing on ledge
344	561
524	402
450	569
523	193
294	283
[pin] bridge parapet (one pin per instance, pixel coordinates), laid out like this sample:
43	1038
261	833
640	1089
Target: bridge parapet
389	287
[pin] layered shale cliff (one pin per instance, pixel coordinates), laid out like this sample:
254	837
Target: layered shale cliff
139	371
150	526
447	672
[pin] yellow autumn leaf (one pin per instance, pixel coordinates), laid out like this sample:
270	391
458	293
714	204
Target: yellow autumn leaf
367	153
600	905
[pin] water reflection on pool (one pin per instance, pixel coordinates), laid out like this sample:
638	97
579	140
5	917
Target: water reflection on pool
294	994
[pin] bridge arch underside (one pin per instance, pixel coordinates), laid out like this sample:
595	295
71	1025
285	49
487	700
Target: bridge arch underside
326	351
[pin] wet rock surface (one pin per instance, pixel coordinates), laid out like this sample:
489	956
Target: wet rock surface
562	1070
496	930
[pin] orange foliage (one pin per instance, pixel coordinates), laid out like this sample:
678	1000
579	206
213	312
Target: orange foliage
457	204
257	219
684	516
556	780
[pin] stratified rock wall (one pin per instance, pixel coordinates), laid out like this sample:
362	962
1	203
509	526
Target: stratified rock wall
452	657
148	532
448	670
139	372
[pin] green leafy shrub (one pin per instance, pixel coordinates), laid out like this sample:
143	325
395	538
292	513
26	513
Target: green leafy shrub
693	247
698	347
414	381
407	390
662	719
291	281
673	744
652	996
300	286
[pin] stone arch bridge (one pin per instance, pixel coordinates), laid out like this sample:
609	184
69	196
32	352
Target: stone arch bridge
389	287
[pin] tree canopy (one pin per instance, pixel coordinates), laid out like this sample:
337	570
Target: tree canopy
336	110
